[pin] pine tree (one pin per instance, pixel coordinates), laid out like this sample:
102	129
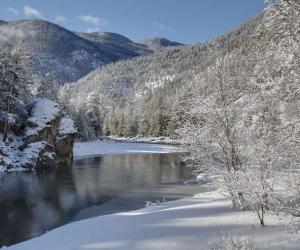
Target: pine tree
14	83
48	87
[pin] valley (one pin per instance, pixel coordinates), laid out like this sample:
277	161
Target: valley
112	141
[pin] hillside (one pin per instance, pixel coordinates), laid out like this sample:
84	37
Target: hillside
52	48
115	45
145	96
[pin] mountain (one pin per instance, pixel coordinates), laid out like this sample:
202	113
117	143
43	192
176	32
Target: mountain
150	95
117	46
52	48
145	95
70	55
159	43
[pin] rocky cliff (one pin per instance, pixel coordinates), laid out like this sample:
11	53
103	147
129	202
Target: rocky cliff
43	137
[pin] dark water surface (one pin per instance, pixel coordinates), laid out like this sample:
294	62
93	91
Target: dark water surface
32	203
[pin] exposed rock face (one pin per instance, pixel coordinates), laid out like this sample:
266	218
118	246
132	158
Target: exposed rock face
45	138
64	142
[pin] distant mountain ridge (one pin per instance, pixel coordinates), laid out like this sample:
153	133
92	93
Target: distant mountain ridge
159	43
70	55
116	45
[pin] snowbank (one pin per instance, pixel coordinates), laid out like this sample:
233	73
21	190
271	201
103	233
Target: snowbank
105	147
190	223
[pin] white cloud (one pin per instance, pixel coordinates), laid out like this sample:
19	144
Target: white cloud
93	29
31	12
162	26
60	19
12	11
97	23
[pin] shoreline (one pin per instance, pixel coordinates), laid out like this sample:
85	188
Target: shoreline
151	140
184	223
111	147
187	223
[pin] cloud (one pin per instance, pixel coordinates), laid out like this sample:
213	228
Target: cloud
97	23
93	29
31	12
60	19
12	11
162	26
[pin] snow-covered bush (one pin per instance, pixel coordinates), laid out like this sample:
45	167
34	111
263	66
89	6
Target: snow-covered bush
228	242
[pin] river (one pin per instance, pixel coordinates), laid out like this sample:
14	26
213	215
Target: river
31	203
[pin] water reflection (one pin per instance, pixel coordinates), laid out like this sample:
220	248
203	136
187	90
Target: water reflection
32	203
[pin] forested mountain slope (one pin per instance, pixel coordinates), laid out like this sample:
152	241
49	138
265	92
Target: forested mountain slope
147	95
52	48
68	55
158	43
115	45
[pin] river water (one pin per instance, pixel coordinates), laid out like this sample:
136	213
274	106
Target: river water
31	203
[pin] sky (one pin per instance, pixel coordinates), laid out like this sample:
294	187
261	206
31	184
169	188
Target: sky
185	21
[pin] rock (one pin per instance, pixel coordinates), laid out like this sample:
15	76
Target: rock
52	125
39	155
45	139
64	149
65	141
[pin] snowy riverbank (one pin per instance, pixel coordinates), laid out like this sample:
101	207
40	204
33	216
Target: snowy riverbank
109	147
153	140
190	223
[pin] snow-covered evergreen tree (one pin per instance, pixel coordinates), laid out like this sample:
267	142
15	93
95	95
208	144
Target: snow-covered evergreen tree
48	87
14	85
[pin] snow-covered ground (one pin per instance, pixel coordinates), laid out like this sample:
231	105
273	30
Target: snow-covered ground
190	223
107	147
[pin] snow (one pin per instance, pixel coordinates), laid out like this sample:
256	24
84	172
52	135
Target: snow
137	139
160	82
11	118
152	85
34	148
67	126
17	158
204	178
12	155
31	152
43	112
189	223
106	147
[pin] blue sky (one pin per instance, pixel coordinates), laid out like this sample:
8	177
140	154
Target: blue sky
186	21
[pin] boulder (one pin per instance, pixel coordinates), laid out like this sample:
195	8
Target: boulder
44	139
